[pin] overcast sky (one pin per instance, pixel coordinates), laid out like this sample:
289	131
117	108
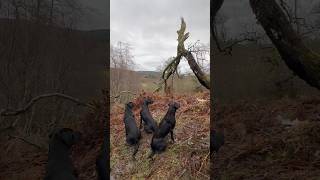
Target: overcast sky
150	27
239	14
98	17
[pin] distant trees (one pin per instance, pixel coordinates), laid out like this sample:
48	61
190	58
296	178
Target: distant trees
38	48
63	13
123	80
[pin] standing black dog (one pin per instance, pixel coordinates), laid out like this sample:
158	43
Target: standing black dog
148	122
133	134
59	165
166	126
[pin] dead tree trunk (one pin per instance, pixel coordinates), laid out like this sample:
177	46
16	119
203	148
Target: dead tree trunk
171	68
301	60
201	76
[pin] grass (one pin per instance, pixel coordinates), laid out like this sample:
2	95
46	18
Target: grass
186	158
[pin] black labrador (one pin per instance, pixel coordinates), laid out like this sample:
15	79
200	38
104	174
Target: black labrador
216	141
59	166
166	126
149	123
133	134
102	161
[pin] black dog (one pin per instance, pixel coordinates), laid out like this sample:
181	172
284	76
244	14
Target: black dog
102	161
59	165
216	141
148	122
133	134
166	126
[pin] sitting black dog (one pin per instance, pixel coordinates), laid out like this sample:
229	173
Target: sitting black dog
166	126
102	161
133	134
216	141
59	165
148	122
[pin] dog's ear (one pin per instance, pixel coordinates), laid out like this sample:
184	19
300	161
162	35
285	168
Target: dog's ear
54	132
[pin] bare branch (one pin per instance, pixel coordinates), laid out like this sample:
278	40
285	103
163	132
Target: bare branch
123	92
9	112
29	142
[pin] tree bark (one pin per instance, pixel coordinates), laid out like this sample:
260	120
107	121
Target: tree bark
182	36
301	60
197	70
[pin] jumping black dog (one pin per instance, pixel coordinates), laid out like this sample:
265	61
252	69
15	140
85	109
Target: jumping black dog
149	123
59	165
216	141
166	126
133	134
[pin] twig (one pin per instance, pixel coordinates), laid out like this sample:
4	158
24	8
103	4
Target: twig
122	92
28	142
9	112
203	162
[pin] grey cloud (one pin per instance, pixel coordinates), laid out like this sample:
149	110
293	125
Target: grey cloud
150	26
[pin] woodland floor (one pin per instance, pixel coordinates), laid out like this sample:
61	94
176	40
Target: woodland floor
269	140
187	158
22	161
279	139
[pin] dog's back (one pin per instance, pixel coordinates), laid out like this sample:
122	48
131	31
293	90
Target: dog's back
132	132
167	124
102	160
169	120
59	166
216	141
149	123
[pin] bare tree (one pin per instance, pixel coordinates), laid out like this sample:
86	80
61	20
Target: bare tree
122	72
36	48
299	58
277	25
171	68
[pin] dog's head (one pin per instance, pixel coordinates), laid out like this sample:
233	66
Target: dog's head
148	100
175	105
66	135
130	105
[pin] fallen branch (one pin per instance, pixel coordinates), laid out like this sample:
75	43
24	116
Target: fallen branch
123	92
9	112
29	142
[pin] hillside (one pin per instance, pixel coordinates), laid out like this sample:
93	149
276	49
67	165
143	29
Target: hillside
20	154
187	158
278	139
150	74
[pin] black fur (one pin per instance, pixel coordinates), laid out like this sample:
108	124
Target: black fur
216	141
149	123
133	134
101	162
166	126
59	166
